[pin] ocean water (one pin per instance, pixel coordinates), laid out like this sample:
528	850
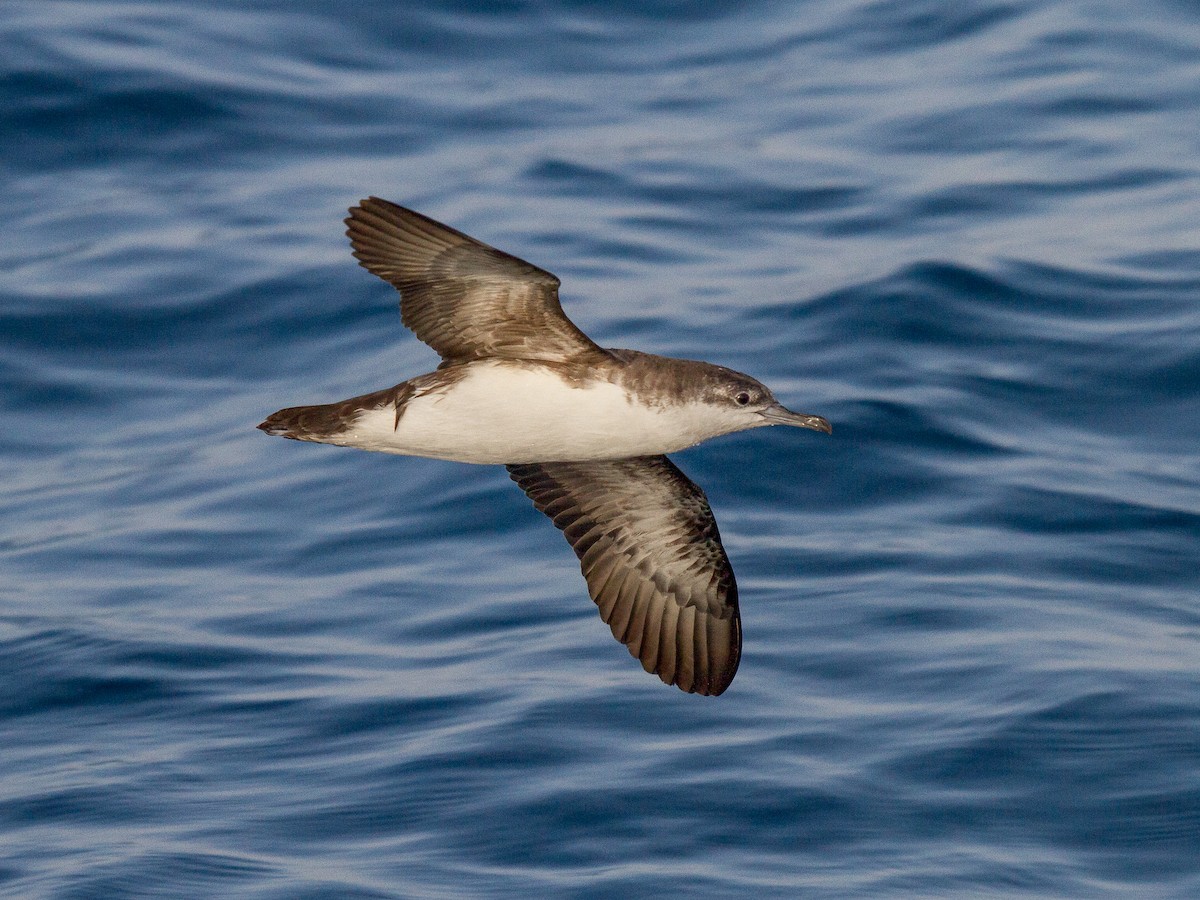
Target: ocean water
240	667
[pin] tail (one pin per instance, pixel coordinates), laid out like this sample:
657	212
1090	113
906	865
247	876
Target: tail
306	423
325	423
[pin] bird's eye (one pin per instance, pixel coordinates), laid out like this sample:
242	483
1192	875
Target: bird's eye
741	398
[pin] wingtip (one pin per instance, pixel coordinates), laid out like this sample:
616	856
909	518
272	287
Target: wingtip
371	204
359	207
713	685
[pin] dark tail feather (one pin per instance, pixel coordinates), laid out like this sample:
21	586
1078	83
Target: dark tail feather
321	423
305	423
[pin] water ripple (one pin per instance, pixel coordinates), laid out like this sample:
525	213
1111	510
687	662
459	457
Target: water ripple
236	666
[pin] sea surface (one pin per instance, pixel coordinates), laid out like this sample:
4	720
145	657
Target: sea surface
967	233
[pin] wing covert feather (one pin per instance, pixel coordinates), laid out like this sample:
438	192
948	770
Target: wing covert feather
463	298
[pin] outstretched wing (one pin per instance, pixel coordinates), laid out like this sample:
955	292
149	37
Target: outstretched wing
652	557
463	298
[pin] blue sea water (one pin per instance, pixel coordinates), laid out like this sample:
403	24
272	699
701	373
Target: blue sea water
967	233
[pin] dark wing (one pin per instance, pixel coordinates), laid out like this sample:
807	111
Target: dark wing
463	298
649	549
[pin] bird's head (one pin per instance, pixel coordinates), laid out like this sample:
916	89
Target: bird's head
743	402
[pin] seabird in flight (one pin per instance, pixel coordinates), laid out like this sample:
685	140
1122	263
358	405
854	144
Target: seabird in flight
582	430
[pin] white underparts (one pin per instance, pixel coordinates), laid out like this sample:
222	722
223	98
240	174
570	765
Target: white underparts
504	412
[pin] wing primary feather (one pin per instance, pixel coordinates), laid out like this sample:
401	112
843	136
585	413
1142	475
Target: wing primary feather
637	619
685	673
622	610
650	637
667	643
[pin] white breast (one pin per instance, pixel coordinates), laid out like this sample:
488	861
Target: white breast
504	412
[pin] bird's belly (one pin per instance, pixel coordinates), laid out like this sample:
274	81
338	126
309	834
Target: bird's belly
504	413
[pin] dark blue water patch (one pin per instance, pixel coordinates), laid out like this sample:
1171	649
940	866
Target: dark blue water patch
912	428
354	725
1098	105
1177	262
982	127
903	28
159	874
117	679
1063	512
666	189
932	618
64	120
29	384
87	692
998	335
1033	790
575	177
1012	198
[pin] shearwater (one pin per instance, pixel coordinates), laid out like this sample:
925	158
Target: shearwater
583	431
